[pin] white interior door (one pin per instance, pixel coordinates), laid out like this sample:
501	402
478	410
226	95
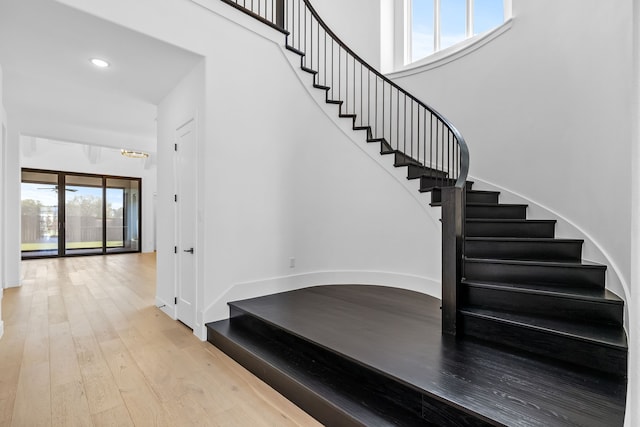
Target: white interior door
186	223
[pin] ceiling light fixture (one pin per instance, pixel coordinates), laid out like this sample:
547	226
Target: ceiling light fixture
134	154
100	63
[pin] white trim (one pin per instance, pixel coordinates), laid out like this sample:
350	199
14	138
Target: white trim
218	309
452	53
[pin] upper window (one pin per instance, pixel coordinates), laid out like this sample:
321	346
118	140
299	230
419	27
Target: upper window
438	24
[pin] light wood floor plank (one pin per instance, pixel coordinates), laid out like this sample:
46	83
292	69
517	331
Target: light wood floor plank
84	345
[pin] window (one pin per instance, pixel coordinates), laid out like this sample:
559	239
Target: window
438	24
78	214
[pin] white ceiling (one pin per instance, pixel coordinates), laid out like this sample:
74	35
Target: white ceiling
52	90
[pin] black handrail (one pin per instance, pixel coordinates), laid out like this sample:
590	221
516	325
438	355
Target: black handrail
418	135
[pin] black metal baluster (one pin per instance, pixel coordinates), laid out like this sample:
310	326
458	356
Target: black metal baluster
311	41
318	46
369	98
397	119
354	85
346	82
437	141
299	29
418	157
325	57
390	116
383	106
404	131
332	69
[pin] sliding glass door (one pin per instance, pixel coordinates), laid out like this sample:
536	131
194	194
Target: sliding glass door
83	212
67	213
39	214
123	211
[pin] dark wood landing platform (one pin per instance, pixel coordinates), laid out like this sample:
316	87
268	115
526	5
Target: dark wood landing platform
371	355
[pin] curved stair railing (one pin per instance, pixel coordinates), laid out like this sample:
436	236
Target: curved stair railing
418	136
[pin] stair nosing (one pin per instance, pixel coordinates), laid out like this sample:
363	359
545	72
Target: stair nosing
493	205
512	220
523	239
541	263
522	288
470	311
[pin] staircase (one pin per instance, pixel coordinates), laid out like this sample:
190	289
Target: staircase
507	281
525	289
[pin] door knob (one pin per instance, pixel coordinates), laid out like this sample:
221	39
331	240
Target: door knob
190	250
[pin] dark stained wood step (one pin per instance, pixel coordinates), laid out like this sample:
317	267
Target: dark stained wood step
495	211
429	184
597	347
509	228
332	390
590	305
546	249
535	272
395	335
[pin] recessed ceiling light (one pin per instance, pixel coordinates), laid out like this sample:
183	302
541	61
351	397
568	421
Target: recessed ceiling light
101	63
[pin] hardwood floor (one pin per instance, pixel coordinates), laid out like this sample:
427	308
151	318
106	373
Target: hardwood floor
85	345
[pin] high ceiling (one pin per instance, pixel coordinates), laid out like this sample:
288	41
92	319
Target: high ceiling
53	91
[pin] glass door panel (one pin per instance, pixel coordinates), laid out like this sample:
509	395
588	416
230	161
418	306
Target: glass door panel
123	215
83	215
39	214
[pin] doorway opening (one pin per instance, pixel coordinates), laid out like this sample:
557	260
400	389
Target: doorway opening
66	214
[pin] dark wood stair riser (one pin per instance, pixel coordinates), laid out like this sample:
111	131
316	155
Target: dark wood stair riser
510	229
400	404
550	250
572	350
482	196
579	276
548	305
496	211
471	197
428	183
415	172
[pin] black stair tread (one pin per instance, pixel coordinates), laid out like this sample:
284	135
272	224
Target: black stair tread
497	205
317	86
308	70
293	49
334	101
556	290
512	220
483	192
349	116
523	239
313	377
568	264
610	336
439	188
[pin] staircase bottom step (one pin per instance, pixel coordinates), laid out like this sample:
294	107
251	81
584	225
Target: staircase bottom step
374	355
331	389
605	350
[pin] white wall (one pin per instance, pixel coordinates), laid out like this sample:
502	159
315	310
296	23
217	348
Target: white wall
12	206
3	136
38	153
633	396
357	23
